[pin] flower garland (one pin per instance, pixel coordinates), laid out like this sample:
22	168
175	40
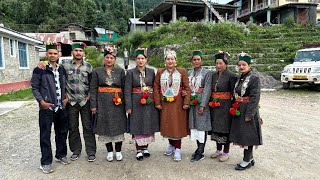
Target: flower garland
234	111
116	99
214	103
52	44
195	99
169	99
145	98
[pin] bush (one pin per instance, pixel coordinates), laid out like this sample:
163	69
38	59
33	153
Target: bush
94	57
289	22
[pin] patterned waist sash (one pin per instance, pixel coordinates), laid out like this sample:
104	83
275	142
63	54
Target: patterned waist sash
243	99
108	89
221	95
139	90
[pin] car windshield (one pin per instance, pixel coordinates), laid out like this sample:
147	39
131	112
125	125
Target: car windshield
307	56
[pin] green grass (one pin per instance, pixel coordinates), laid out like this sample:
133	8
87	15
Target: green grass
21	95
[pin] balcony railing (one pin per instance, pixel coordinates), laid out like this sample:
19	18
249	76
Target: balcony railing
260	6
244	12
274	3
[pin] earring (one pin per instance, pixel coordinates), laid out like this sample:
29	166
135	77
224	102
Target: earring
175	65
165	65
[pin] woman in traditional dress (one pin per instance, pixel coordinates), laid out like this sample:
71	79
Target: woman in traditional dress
144	117
168	85
246	123
222	87
199	114
106	91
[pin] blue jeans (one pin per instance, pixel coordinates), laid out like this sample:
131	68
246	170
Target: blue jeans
60	120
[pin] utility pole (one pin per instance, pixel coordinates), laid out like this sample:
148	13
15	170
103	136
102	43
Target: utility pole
134	15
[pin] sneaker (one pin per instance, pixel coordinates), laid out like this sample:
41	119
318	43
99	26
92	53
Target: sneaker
91	158
177	155
146	153
216	154
46	168
74	157
169	151
139	156
63	160
119	156
197	157
224	157
110	156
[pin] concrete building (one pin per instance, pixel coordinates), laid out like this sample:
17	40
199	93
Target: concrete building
276	11
19	54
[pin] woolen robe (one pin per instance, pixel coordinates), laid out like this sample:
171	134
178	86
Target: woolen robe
173	118
111	118
220	116
196	121
247	133
144	119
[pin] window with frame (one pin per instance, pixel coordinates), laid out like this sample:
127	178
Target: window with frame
1	54
23	58
12	47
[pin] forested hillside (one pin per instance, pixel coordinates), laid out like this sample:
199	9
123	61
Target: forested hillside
49	15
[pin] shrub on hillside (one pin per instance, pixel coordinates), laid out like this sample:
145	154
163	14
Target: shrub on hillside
289	22
94	57
136	38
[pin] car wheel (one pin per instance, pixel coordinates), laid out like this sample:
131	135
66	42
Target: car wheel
286	85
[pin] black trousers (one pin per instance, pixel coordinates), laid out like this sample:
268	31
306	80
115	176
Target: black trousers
74	134
248	154
60	120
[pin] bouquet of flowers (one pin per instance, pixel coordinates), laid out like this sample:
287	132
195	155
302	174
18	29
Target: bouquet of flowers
214	103
116	99
234	111
195	99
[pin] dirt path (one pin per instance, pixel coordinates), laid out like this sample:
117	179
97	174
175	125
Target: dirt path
290	151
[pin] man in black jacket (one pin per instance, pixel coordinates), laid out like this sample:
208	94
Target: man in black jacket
48	88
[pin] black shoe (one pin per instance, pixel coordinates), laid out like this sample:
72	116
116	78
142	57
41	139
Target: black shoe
240	168
91	158
197	157
146	153
252	162
74	157
139	156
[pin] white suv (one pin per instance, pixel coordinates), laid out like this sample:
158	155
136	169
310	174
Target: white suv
305	68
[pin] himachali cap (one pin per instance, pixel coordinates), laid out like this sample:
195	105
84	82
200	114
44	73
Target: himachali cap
110	50
244	57
78	45
222	55
52	45
197	53
170	53
142	51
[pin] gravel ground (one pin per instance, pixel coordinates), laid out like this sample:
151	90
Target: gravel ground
290	151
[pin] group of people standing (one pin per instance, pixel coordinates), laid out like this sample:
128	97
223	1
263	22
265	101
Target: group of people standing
172	101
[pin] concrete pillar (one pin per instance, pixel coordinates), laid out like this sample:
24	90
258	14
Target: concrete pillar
146	26
268	11
235	15
226	17
174	13
161	19
251	18
206	14
154	22
268	15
